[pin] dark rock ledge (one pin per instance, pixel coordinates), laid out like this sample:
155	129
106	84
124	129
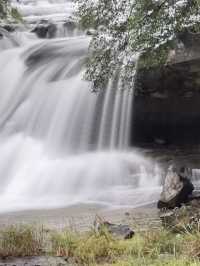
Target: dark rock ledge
166	108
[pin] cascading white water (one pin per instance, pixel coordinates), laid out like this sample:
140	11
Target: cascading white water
35	10
60	143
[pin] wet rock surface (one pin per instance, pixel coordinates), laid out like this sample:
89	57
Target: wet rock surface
118	230
168	106
70	25
167	99
45	29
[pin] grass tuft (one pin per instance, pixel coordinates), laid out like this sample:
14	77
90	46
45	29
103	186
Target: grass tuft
63	244
20	241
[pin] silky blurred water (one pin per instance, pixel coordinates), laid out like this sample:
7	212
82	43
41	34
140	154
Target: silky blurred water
60	143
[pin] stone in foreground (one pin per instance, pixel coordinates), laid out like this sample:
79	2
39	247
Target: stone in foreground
122	231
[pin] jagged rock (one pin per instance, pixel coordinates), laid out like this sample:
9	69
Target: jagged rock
177	188
45	29
9	28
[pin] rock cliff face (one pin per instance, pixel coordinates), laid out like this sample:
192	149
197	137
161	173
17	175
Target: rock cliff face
166	106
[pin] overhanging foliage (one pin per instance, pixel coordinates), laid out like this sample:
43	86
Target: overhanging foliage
125	28
7	12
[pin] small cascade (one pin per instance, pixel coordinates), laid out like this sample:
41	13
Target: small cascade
36	10
7	41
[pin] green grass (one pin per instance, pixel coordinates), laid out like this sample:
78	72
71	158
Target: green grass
154	247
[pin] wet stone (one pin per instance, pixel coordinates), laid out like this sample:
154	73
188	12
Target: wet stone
117	230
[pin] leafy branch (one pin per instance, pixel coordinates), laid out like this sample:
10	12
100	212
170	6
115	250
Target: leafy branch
125	28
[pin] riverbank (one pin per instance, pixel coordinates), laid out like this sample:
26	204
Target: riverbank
164	245
81	217
77	219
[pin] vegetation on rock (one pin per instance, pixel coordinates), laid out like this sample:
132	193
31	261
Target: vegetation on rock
125	28
8	13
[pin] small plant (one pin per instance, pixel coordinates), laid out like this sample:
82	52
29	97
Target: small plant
19	241
16	15
63	244
95	248
8	13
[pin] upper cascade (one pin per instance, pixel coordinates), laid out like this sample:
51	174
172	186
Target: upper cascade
33	11
47	18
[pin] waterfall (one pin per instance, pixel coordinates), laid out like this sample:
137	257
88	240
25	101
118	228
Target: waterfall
60	143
